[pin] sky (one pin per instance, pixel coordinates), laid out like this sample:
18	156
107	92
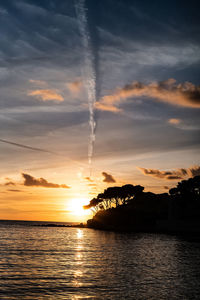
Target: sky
131	68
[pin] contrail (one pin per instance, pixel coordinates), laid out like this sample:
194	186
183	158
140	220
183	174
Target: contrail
89	73
42	150
25	146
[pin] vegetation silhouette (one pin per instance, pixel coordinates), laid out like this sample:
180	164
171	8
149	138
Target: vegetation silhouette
129	208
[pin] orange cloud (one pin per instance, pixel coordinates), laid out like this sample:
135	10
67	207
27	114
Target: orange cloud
172	175
46	95
9	183
184	94
75	87
89	179
174	121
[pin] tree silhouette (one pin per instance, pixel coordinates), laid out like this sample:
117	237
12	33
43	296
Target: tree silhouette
130	208
94	204
187	190
129	191
105	201
115	196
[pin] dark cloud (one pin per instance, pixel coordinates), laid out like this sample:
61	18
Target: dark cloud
13	190
9	183
172	175
31	181
160	174
108	178
192	171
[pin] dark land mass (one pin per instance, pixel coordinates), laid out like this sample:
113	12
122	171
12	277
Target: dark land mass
130	209
41	223
81	225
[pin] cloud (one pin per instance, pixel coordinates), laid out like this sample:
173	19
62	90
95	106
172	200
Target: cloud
37	82
75	87
46	95
9	183
31	181
89	179
12	190
108	178
193	171
184	94
174	121
172	175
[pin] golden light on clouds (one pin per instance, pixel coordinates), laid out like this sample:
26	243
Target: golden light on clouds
184	94
174	121
75	87
46	95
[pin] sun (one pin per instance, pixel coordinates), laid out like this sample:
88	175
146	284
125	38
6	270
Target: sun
75	206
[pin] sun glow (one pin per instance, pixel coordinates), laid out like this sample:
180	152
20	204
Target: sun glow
75	206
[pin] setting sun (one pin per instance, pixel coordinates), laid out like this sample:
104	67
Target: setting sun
75	206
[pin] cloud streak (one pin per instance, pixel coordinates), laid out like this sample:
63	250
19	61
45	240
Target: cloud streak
172	175
41	182
89	72
25	146
46	95
184	94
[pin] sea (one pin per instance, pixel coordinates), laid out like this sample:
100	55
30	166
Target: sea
46	262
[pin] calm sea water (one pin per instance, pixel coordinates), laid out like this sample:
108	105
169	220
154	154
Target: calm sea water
71	263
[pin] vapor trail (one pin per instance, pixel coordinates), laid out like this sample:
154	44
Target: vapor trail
25	146
89	74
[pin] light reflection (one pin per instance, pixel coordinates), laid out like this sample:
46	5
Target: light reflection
78	273
76	297
78	258
79	234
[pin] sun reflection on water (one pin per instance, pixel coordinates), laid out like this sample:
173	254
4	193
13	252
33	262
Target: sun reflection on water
78	273
79	233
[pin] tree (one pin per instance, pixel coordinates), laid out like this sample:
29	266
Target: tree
105	202
115	195
129	191
94	204
188	190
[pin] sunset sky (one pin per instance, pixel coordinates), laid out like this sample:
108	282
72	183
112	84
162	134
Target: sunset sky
144	64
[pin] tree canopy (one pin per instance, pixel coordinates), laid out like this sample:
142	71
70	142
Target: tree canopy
188	190
115	196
